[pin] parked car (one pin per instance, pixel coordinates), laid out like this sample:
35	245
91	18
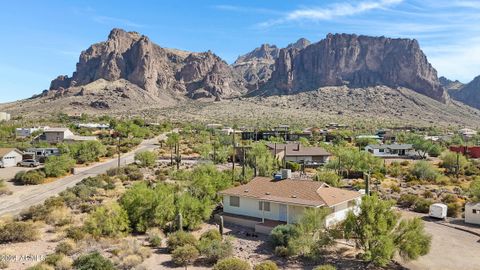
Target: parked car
28	163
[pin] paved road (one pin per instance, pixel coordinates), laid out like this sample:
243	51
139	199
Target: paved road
32	195
451	249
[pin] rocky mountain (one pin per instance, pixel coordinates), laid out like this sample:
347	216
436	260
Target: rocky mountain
256	67
356	61
469	93
156	70
449	84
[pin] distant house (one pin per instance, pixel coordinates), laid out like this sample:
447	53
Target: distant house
4	116
93	125
26	132
9	157
40	154
390	150
298	153
472	213
264	203
467	132
58	135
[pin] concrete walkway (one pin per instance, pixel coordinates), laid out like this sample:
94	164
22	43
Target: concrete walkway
31	195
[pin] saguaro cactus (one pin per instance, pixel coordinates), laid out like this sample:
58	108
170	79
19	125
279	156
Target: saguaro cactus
180	222
220	226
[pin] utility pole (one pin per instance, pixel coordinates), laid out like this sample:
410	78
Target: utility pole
233	156
118	153
243	164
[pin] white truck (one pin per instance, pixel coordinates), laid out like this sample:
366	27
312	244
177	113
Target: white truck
438	210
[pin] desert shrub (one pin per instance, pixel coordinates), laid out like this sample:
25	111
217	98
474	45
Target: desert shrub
180	238
56	166
407	200
3	260
130	253
154	237
91	261
405	163
395	188
422	205
266	265
52	259
110	220
145	158
59	216
33	177
329	177
3	188
282	234
232	264
293	166
18	231
85	152
214	249
66	247
41	266
395	169
282	251
423	170
428	194
212	234
454	209
185	255
451	160
75	233
325	267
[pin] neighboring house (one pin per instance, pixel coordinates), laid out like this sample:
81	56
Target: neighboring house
470	151
467	132
9	157
27	132
4	116
390	150
472	213
264	203
298	153
58	135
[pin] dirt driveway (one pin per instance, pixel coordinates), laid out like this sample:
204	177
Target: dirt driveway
451	248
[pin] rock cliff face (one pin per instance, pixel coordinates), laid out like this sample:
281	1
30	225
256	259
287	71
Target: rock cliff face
256	67
356	61
469	93
157	70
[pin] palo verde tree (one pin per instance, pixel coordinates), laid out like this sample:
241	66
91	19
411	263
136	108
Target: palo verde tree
378	231
261	158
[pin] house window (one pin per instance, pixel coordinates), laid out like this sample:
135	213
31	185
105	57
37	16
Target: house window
381	150
235	201
474	211
266	206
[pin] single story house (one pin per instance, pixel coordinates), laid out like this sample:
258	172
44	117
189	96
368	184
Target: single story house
264	202
4	116
467	132
58	135
298	153
40	154
472	213
26	132
9	157
93	125
390	150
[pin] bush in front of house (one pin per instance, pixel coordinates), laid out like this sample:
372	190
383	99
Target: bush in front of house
18	231
185	255
293	166
213	247
232	264
180	238
282	234
91	261
33	177
266	265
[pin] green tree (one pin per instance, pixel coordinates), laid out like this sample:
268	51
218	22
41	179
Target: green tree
454	161
185	255
377	230
91	261
147	207
348	160
423	170
194	211
260	157
56	166
145	158
328	176
110	220
475	189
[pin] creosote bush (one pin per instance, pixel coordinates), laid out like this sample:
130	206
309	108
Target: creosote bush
266	265
232	264
18	231
180	238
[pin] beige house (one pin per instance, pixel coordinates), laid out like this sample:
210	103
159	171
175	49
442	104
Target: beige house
472	213
58	135
298	153
264	203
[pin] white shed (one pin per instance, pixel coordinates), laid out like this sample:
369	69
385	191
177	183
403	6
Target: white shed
472	213
438	210
9	157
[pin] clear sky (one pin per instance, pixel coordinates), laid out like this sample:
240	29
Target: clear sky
43	39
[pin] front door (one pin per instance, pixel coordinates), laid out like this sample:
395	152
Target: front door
282	212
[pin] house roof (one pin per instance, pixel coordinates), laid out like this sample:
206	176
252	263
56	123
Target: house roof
391	146
56	130
295	149
290	191
4	151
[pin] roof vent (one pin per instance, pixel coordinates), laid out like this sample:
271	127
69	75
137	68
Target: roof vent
246	191
267	193
294	196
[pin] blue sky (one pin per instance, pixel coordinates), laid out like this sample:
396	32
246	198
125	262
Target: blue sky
43	39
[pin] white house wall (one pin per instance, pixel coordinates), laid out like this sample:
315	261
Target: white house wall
470	217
